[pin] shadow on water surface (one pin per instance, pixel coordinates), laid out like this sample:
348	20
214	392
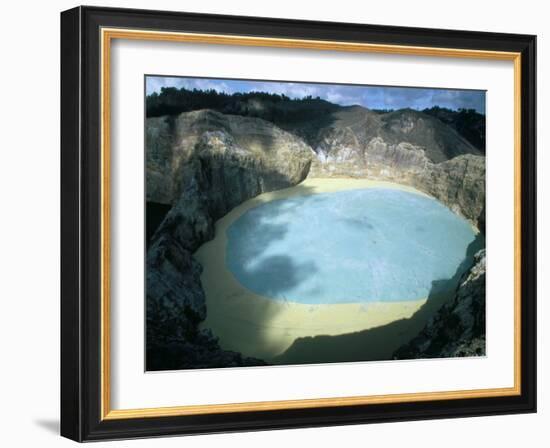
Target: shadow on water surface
379	343
277	274
273	275
288	274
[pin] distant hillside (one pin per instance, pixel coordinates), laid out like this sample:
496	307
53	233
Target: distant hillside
443	133
355	127
281	110
467	122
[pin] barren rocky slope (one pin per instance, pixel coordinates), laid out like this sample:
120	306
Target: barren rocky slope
406	147
203	164
354	127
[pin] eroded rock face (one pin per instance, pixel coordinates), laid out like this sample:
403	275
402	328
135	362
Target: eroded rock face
354	128
175	143
458	328
408	147
204	164
459	182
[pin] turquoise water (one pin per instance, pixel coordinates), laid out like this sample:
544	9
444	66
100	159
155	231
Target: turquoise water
365	245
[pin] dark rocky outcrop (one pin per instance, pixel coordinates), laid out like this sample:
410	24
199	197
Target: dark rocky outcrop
203	164
460	184
458	328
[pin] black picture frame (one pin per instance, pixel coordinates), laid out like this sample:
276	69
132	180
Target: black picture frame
81	381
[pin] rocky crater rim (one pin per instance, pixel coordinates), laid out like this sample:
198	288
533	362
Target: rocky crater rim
204	164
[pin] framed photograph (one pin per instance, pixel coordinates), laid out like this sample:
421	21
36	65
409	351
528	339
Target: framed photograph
273	223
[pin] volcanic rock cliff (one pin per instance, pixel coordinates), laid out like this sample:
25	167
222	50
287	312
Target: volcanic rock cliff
201	164
354	127
406	147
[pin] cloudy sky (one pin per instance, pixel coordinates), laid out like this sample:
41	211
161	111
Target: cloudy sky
372	97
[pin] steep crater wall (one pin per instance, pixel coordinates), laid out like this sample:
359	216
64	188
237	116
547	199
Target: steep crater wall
203	164
458	182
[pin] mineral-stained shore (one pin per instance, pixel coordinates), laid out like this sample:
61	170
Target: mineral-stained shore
259	326
203	164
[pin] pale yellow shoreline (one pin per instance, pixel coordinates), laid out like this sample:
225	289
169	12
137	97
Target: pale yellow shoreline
264	328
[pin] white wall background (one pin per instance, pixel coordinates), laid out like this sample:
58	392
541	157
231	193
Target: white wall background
29	230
